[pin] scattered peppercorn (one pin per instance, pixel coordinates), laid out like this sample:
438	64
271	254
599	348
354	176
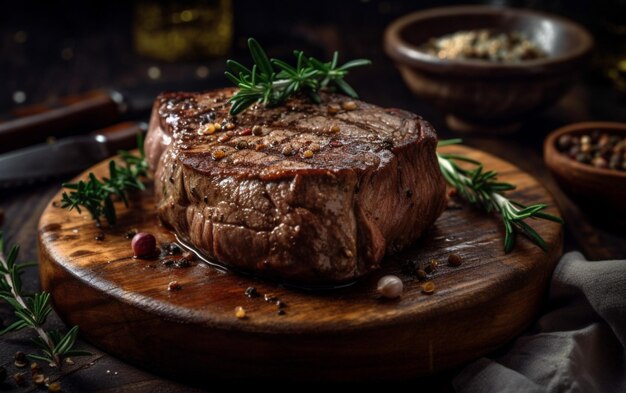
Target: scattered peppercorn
54	387
281	312
334	128
174	286
428	287
39	379
167	261
20	359
307	154
241	145
409	267
455	259
99	236
257	130
229	126
390	286
315	147
270	298
349	105
19	379
240	312
182	263
143	244
280	304
251	292
333	109
421	274
35	369
432	265
287	150
170	249
130	233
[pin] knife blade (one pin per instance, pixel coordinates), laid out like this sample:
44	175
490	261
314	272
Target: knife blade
66	156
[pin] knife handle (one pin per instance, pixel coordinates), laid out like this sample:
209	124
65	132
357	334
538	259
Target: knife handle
34	124
121	136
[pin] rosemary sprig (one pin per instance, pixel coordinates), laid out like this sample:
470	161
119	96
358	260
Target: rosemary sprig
32	312
481	188
271	82
95	195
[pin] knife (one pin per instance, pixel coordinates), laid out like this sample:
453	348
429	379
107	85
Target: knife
66	156
28	125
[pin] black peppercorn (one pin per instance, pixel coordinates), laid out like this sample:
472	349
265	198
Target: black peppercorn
20	359
599	149
455	260
251	292
565	141
174	249
19	379
182	263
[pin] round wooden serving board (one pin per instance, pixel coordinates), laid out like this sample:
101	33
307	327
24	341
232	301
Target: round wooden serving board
123	305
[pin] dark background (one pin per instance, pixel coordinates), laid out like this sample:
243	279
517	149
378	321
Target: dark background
54	49
96	39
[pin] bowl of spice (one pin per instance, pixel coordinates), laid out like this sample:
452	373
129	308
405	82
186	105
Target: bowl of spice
588	161
487	67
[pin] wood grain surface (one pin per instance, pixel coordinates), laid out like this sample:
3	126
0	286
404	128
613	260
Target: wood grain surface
123	304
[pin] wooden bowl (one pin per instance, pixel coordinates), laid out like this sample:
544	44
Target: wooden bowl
599	191
484	96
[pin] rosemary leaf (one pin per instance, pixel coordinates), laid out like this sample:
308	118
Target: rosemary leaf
94	195
272	81
482	189
32	312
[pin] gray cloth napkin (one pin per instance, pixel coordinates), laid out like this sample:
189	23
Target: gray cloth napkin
578	345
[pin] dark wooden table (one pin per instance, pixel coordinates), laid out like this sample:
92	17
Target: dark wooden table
101	56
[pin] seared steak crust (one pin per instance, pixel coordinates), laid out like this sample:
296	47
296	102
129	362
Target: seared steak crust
304	192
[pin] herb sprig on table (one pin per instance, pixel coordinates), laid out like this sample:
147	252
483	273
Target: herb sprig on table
271	82
32	311
481	188
96	195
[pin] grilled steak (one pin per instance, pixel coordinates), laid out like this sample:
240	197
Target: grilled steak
304	192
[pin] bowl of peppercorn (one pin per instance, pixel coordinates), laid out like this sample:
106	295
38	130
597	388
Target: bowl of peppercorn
487	68
588	161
